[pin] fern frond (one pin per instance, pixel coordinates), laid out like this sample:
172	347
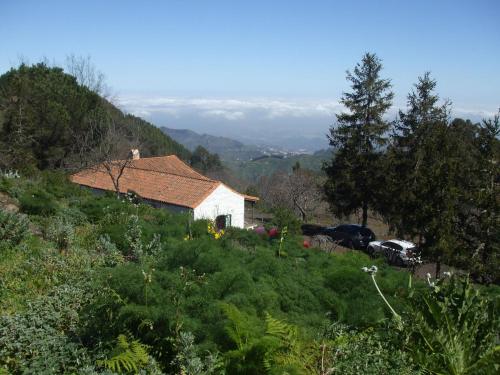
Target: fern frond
131	356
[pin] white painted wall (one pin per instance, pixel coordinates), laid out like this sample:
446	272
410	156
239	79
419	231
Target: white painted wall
222	201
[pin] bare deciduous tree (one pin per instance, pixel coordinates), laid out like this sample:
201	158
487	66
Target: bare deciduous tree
114	153
299	191
86	74
105	147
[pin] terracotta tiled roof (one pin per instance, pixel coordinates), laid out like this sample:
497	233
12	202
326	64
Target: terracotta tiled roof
166	164
165	179
251	198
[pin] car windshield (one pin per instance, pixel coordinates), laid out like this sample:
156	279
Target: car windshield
365	232
348	228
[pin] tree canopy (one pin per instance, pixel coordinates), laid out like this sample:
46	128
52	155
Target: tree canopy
358	136
45	114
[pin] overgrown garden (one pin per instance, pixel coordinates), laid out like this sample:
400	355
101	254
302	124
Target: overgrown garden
95	284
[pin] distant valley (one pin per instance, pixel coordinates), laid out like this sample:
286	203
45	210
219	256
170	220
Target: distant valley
248	162
228	149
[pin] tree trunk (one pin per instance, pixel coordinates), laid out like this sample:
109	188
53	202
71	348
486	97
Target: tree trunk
438	267
365	214
302	211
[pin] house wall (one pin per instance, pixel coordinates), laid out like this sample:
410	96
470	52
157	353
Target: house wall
168	206
222	201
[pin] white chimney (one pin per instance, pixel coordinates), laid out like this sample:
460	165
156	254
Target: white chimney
135	154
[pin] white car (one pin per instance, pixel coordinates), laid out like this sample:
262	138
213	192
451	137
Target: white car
398	252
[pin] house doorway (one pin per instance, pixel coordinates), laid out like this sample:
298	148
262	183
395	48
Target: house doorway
222	222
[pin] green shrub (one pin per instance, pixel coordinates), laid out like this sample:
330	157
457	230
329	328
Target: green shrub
58	185
133	237
370	351
453	329
98	207
73	215
112	256
40	340
61	232
13	228
246	239
37	201
6	185
285	218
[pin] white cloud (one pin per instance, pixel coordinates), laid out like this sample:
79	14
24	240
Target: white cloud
230	109
228	115
474	114
287	122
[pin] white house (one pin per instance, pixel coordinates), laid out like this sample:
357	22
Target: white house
168	182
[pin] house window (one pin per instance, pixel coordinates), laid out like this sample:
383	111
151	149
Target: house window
222	222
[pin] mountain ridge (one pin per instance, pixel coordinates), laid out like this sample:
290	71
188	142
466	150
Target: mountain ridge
248	162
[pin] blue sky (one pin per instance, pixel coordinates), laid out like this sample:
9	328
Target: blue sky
261	69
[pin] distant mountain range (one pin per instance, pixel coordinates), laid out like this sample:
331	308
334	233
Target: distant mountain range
248	162
227	148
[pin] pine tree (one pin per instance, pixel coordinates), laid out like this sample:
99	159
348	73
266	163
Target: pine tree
429	170
481	231
414	136
359	137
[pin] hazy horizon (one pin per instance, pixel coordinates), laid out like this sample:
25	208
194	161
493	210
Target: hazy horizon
257	121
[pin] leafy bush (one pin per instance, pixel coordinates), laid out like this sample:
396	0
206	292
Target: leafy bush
61	232
38	202
286	218
189	362
6	184
454	330
359	304
370	351
72	215
192	278
59	186
112	256
13	228
97	208
133	237
246	239
40	339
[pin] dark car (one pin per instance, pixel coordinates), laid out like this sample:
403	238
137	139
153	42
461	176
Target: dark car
311	229
353	236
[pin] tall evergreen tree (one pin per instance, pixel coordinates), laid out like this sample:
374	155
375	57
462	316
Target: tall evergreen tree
358	137
431	170
413	137
481	228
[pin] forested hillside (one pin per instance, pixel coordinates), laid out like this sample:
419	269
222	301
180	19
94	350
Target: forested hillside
226	148
263	166
48	120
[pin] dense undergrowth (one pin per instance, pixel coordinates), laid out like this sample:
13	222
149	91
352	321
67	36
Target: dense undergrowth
94	284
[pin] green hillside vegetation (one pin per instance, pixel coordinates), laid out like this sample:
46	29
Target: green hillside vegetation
252	170
93	284
246	162
226	148
48	120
